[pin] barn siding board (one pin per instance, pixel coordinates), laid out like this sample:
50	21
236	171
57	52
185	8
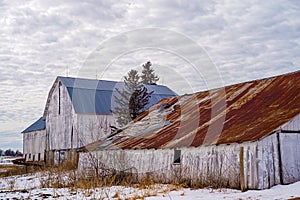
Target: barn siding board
268	162
250	166
290	156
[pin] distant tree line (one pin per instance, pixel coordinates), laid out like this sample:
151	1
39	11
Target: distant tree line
10	152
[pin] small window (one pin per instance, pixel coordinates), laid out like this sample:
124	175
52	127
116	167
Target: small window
39	156
33	157
177	155
29	156
25	156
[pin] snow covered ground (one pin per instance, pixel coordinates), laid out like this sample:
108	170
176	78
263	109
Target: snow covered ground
29	186
6	160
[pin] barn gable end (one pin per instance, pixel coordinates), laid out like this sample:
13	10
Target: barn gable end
34	141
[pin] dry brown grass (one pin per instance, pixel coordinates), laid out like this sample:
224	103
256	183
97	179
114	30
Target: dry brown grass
11	170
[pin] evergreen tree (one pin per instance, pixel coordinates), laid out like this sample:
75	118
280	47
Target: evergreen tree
148	76
132	80
131	100
122	98
138	101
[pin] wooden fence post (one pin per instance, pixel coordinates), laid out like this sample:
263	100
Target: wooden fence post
242	173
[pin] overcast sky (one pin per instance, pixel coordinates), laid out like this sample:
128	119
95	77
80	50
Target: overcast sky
40	40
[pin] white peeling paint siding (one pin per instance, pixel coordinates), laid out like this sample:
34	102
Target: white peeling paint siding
250	165
91	128
212	162
290	155
67	129
261	162
268	162
59	119
197	164
293	125
136	161
34	144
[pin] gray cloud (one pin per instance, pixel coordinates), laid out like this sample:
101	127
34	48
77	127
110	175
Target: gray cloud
39	40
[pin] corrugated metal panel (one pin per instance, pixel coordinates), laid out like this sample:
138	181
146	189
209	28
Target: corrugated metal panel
87	83
251	111
97	96
90	101
40	124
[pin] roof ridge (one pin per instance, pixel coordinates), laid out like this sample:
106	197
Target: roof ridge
245	82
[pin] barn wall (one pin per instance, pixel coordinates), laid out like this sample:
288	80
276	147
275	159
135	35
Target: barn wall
68	130
139	160
202	165
268	162
290	156
293	125
59	119
251	161
34	143
91	128
222	162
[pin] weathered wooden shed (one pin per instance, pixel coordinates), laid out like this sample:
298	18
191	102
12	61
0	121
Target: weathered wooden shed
244	136
34	141
78	112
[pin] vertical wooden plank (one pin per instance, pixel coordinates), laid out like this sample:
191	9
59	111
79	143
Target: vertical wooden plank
242	173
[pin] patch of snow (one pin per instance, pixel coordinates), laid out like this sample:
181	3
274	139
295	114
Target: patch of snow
276	192
29	186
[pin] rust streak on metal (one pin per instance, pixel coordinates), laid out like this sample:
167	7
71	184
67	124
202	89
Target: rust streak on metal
253	109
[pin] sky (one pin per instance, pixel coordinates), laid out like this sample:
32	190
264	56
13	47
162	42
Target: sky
237	41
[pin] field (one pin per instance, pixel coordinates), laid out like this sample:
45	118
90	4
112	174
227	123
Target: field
61	185
9	170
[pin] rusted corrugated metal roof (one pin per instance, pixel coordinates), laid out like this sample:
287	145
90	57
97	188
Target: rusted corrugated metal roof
237	113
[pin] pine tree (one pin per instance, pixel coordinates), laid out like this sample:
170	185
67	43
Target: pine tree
131	100
138	101
148	75
122	98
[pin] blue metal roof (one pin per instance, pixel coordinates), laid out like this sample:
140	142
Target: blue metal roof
40	124
87	83
97	96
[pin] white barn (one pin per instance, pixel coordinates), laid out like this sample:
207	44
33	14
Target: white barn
34	141
251	141
78	112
